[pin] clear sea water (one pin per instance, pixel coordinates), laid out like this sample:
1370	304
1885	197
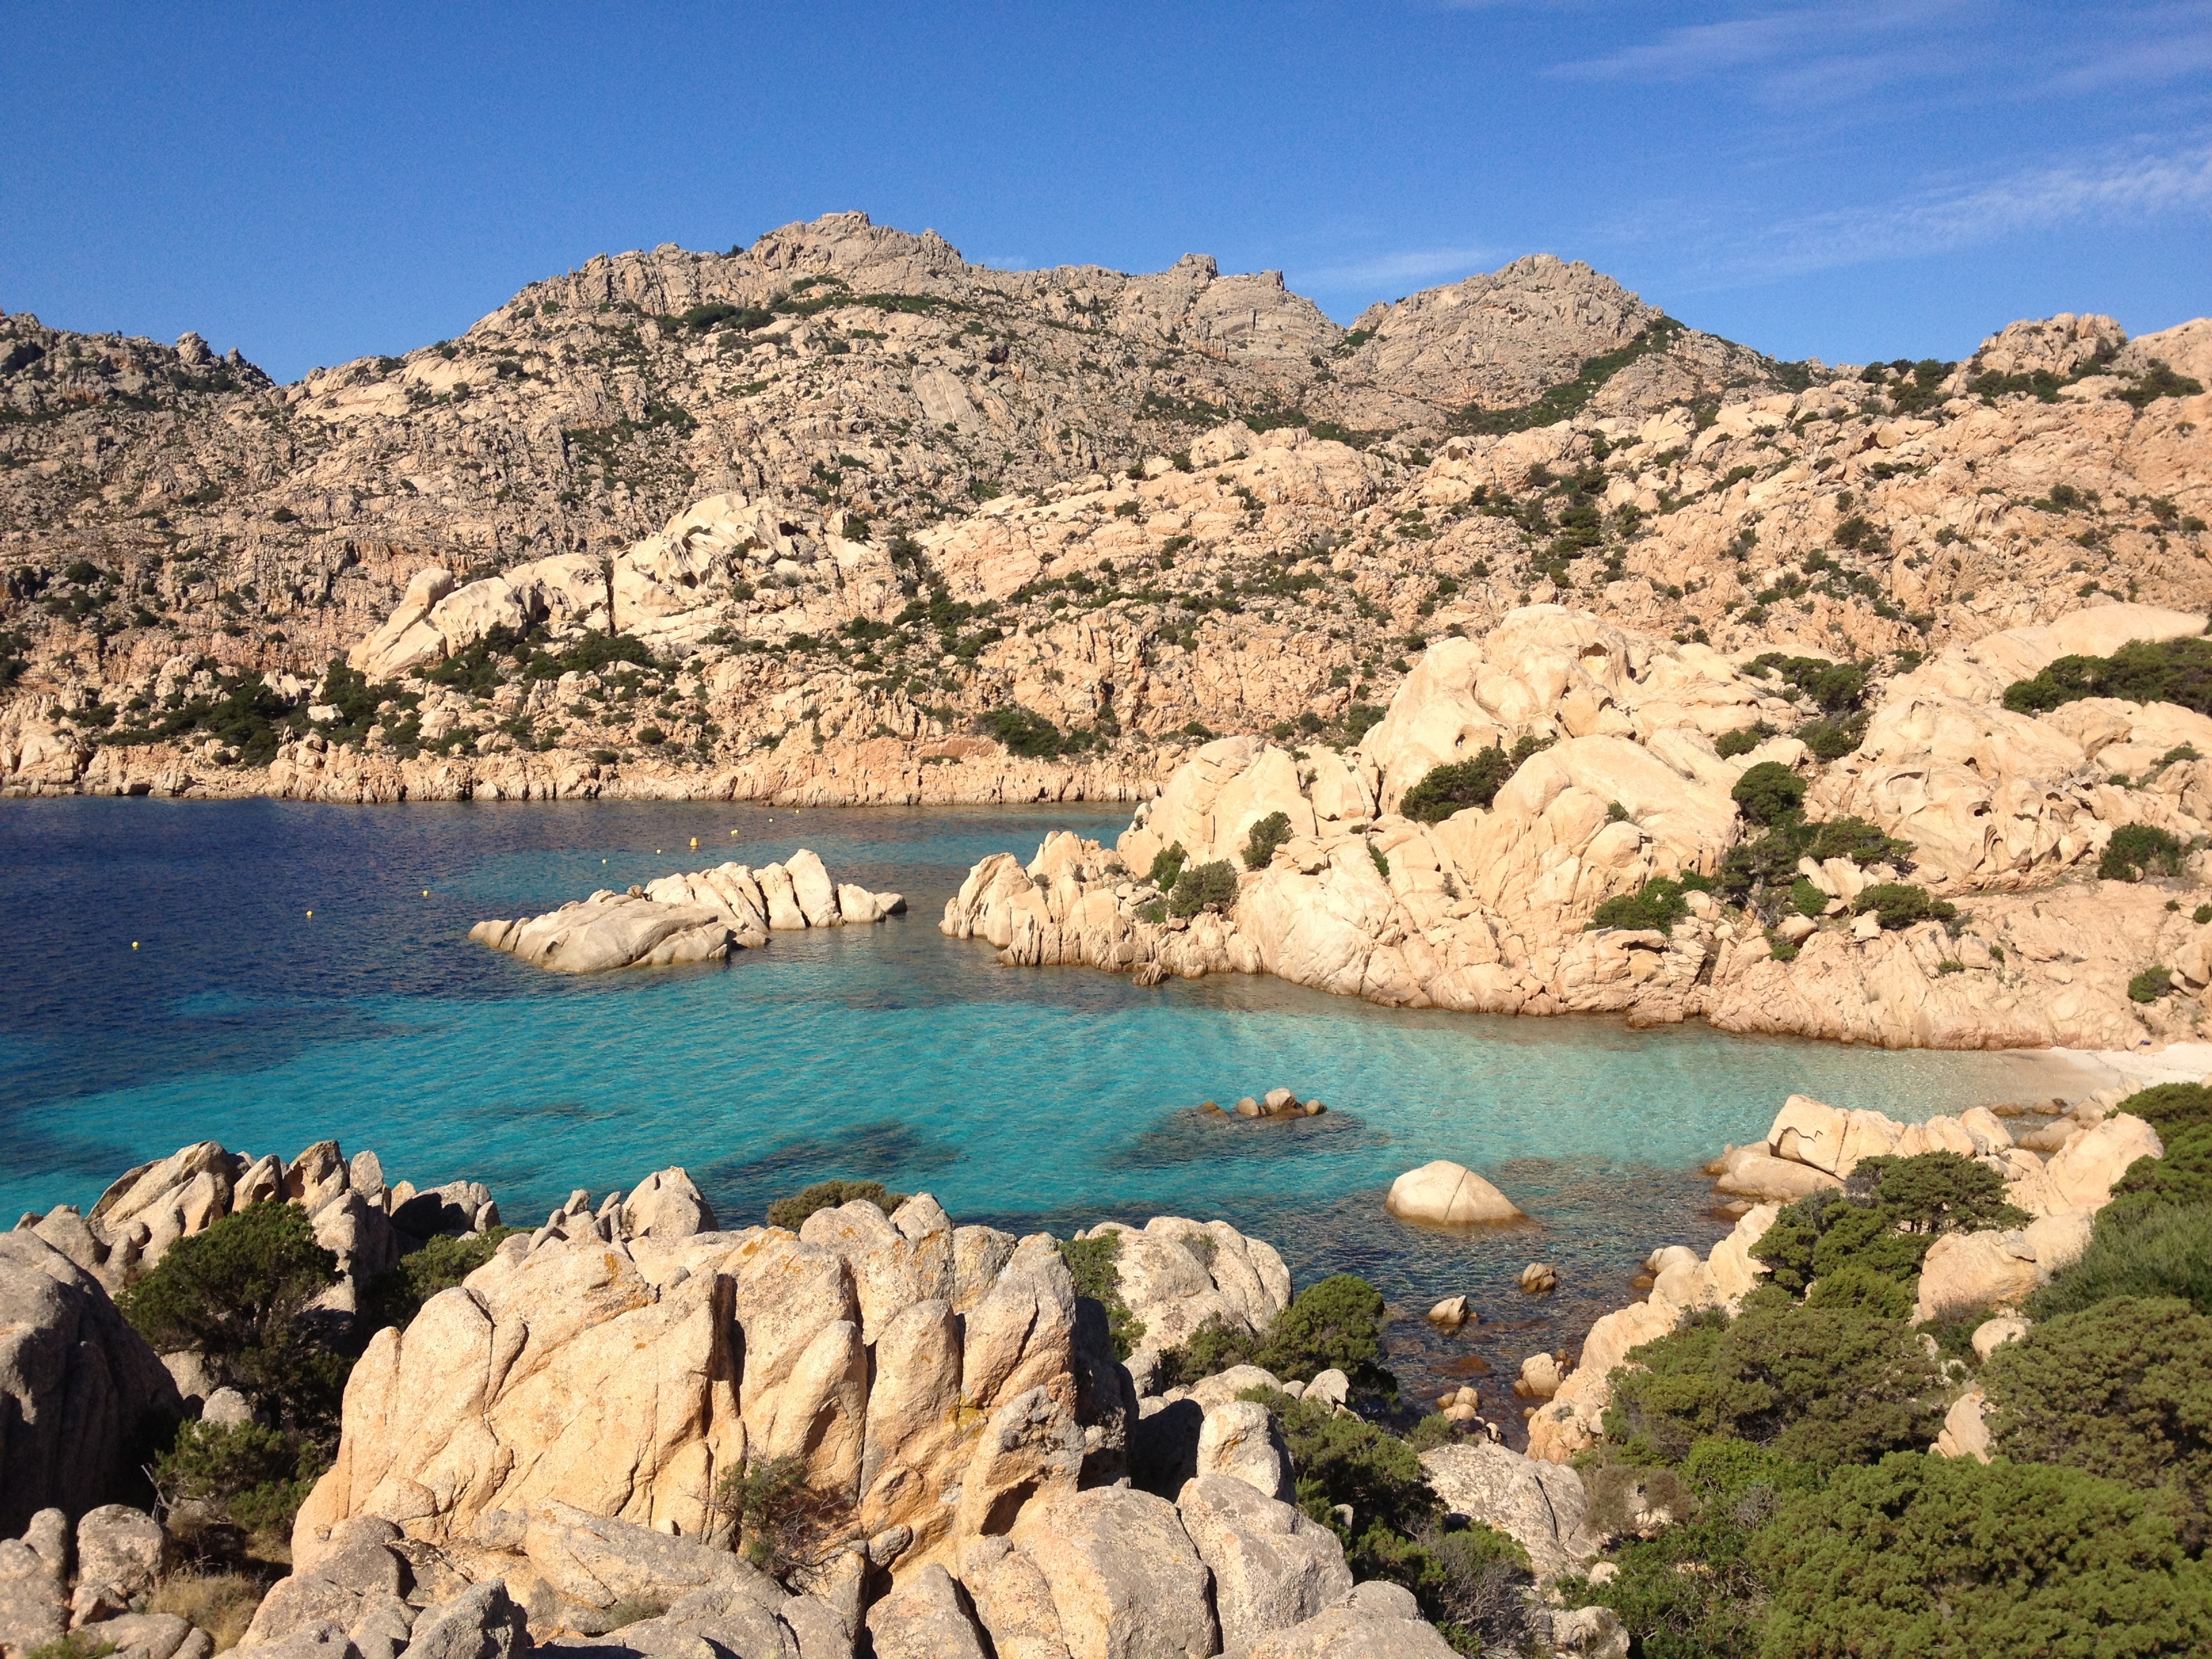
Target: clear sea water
1033	1098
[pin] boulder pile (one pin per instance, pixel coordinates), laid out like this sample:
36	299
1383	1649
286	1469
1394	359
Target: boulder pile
691	916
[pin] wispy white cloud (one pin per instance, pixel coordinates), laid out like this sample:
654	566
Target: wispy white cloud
1387	269
2121	190
1766	41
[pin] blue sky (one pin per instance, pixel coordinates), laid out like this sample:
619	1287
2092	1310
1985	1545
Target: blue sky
1846	180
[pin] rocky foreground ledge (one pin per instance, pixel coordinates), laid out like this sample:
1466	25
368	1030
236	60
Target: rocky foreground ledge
696	916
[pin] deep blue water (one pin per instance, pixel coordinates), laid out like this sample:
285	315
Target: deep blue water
1030	1097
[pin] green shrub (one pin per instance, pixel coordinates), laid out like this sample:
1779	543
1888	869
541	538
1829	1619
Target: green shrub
1840	1377
235	1292
1691	1592
1457	785
2171	1108
1094	1265
1204	887
2137	850
1476	1586
1935	1557
1659	903
2141	1249
252	1476
1884	1219
2122	1391
1899	904
1344	1459
1742	741
781	1524
2150	985
2142	670
1805	899
1335	1324
395	1296
1268	834
1167	865
73	1645
1023	732
792	1212
1769	792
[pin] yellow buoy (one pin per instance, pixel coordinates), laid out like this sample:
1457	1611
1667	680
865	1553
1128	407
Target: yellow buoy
311	916
694	843
426	892
134	944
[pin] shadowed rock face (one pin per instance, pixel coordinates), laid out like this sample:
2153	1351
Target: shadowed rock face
83	1400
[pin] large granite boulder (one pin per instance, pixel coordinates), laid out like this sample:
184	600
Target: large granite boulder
83	1400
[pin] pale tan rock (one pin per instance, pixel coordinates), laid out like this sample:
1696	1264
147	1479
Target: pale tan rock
1272	1567
1965	1433
1239	1439
1542	1504
1993	1334
922	1618
1449	1194
1124	1575
667	1206
1013	1600
2085	1168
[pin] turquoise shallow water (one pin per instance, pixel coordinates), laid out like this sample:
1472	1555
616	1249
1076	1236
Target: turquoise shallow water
1029	1097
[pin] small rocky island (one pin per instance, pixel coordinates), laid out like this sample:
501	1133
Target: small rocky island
701	915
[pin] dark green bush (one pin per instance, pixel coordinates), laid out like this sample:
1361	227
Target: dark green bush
1769	792
252	1476
1204	887
2150	984
2122	1391
792	1212
1457	785
1344	1459
2142	670
2171	1108
1334	1325
1265	836
1023	732
1659	903
1094	1265
2137	850
1742	741
1167	865
2143	1247
1884	1219
1840	1377
235	1292
1933	1558
1898	904
395	1296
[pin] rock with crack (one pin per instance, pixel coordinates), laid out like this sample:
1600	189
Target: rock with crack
1543	1506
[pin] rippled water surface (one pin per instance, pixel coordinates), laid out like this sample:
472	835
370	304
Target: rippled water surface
1026	1096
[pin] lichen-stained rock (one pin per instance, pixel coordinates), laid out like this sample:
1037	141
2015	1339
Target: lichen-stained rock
34	1603
895	1260
915	1423
1239	1439
1542	1504
1177	1274
1273	1568
83	1400
1124	1575
1377	1620
559	1374
924	1618
665	1206
1013	1599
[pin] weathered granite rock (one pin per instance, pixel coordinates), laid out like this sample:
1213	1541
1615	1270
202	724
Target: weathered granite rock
1123	1574
121	1554
83	1400
690	916
925	1618
1542	1504
1238	1438
35	1608
1376	1620
1449	1194
1273	1568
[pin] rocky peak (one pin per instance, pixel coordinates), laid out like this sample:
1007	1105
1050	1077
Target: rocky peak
2056	345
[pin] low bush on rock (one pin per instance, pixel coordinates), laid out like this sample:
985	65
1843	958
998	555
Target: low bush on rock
1768	792
2137	850
1094	1265
1334	1325
1949	1559
2142	671
1658	904
220	1603
792	1212
1896	904
1268	834
236	1293
395	1296
1764	872
2150	985
1023	732
1204	887
780	1523
1458	785
1167	865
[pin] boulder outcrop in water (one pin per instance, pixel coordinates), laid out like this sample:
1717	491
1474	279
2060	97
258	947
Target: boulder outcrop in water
1492	909
698	916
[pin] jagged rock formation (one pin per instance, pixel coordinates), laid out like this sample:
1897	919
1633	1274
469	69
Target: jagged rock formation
701	916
